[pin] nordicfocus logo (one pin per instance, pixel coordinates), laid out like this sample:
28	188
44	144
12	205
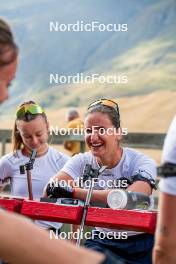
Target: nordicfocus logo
87	235
81	26
82	78
100	183
87	131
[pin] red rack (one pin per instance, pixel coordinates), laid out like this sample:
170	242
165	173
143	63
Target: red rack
103	217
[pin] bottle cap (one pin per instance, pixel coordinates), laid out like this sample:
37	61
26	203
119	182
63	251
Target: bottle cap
117	199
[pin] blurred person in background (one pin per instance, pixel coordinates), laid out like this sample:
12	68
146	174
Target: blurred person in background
165	238
74	123
8	59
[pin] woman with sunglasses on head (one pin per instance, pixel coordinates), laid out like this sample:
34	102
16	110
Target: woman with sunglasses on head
103	136
30	132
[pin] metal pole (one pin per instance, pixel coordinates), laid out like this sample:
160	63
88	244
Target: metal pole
86	206
29	181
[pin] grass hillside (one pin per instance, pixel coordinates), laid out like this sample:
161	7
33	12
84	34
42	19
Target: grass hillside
146	53
149	67
146	113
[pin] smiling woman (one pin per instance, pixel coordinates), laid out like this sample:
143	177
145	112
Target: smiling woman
138	170
31	132
8	59
30	129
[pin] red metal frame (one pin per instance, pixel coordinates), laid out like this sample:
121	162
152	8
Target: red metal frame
52	212
11	204
103	217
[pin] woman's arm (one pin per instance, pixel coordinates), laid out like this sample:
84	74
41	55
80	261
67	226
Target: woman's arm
79	193
24	242
5	170
140	186
165	237
101	195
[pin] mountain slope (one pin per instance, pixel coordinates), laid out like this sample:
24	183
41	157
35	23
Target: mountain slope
145	53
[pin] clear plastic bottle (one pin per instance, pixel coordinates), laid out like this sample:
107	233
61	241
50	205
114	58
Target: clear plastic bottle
120	199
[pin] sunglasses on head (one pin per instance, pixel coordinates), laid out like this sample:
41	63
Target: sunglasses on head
106	102
33	109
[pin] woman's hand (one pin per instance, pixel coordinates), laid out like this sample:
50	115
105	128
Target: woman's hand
58	189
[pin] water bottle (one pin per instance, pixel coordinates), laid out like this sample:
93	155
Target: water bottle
120	199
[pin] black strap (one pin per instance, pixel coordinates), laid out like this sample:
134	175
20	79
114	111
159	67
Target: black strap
167	170
139	177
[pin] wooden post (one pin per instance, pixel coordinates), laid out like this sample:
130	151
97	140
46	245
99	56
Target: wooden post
3	148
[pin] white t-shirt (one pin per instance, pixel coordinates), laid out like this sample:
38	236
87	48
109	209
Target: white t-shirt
44	168
168	185
132	163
